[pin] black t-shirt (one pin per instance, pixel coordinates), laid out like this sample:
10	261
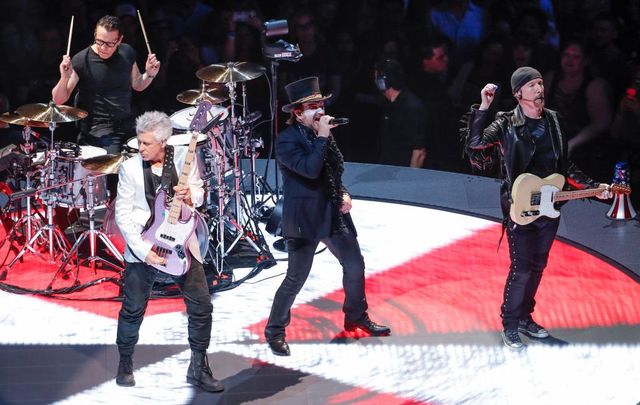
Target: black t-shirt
104	89
403	129
543	162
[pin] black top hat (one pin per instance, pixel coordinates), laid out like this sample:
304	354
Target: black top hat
305	90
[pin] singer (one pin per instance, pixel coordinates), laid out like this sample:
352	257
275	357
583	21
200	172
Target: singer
527	139
316	209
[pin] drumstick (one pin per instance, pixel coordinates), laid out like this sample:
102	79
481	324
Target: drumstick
70	33
144	32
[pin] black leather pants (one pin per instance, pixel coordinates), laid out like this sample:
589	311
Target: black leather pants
346	249
138	282
529	247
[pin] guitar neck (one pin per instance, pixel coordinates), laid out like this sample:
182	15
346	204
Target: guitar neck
183	180
575	194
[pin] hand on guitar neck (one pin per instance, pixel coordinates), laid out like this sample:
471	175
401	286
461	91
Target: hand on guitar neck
183	193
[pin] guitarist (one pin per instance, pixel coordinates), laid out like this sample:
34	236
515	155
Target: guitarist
527	139
139	178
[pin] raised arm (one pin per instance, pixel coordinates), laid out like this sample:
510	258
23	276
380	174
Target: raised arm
67	83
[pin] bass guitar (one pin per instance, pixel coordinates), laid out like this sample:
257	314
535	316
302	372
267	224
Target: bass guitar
173	222
533	197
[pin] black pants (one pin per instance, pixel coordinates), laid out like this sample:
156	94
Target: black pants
346	249
529	247
138	282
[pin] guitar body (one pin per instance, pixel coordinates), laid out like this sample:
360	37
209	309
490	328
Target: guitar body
170	240
526	207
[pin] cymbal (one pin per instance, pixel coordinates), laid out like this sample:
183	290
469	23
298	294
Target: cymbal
230	72
15	119
193	97
51	113
107	164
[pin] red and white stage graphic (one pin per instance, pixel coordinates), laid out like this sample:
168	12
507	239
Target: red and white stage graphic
434	277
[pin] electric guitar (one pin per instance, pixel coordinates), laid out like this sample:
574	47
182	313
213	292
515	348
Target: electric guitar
173	222
533	197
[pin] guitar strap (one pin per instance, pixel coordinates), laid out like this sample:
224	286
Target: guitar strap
168	179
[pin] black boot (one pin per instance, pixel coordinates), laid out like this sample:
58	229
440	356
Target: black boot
200	375
125	372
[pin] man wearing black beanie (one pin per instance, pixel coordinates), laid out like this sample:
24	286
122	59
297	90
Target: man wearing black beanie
529	139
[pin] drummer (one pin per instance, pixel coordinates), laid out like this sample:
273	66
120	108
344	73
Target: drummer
105	72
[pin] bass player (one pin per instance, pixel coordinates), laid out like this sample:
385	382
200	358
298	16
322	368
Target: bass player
140	177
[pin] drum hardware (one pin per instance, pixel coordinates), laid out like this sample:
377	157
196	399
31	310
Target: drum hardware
15	119
105	164
237	220
230	72
57	243
93	235
27	222
194	97
51	114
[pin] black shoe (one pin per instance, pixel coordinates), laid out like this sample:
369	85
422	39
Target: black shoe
368	326
279	347
532	329
125	372
200	375
511	339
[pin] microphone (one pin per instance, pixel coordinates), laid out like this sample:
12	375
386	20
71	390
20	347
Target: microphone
338	121
212	123
252	117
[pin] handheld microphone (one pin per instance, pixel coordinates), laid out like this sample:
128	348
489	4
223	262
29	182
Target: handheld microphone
338	121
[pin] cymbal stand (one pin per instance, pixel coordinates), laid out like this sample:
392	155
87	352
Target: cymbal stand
240	224
26	222
57	243
92	234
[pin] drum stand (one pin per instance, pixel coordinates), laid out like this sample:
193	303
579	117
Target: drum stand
92	234
57	243
27	222
241	223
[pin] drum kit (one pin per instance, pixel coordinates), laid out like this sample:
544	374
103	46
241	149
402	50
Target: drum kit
74	176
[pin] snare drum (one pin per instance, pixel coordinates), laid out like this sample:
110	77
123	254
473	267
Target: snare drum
181	120
69	173
203	156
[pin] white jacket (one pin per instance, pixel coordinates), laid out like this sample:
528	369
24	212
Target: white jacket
132	209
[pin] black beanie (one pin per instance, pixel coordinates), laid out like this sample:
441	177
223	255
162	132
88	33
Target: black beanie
522	76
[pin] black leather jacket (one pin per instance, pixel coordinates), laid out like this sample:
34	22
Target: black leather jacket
516	147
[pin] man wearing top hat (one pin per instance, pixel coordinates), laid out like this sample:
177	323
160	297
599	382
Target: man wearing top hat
527	139
315	209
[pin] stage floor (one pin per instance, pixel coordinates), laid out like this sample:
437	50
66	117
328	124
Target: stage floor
433	276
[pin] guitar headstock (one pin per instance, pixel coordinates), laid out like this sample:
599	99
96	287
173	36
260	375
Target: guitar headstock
620	189
199	120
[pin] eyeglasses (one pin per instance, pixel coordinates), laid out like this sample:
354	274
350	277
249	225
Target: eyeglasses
100	42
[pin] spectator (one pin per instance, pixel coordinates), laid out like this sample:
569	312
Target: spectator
402	137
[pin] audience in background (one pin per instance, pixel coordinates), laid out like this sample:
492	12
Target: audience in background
342	41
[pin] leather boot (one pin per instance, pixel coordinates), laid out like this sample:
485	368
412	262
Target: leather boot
125	372
200	375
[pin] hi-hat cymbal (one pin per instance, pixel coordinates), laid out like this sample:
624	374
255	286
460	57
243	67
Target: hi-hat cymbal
107	164
51	113
15	119
193	97
230	72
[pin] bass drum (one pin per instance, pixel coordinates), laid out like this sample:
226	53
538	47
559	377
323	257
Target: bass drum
110	228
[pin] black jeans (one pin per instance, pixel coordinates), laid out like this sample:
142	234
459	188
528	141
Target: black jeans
138	282
529	247
346	249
